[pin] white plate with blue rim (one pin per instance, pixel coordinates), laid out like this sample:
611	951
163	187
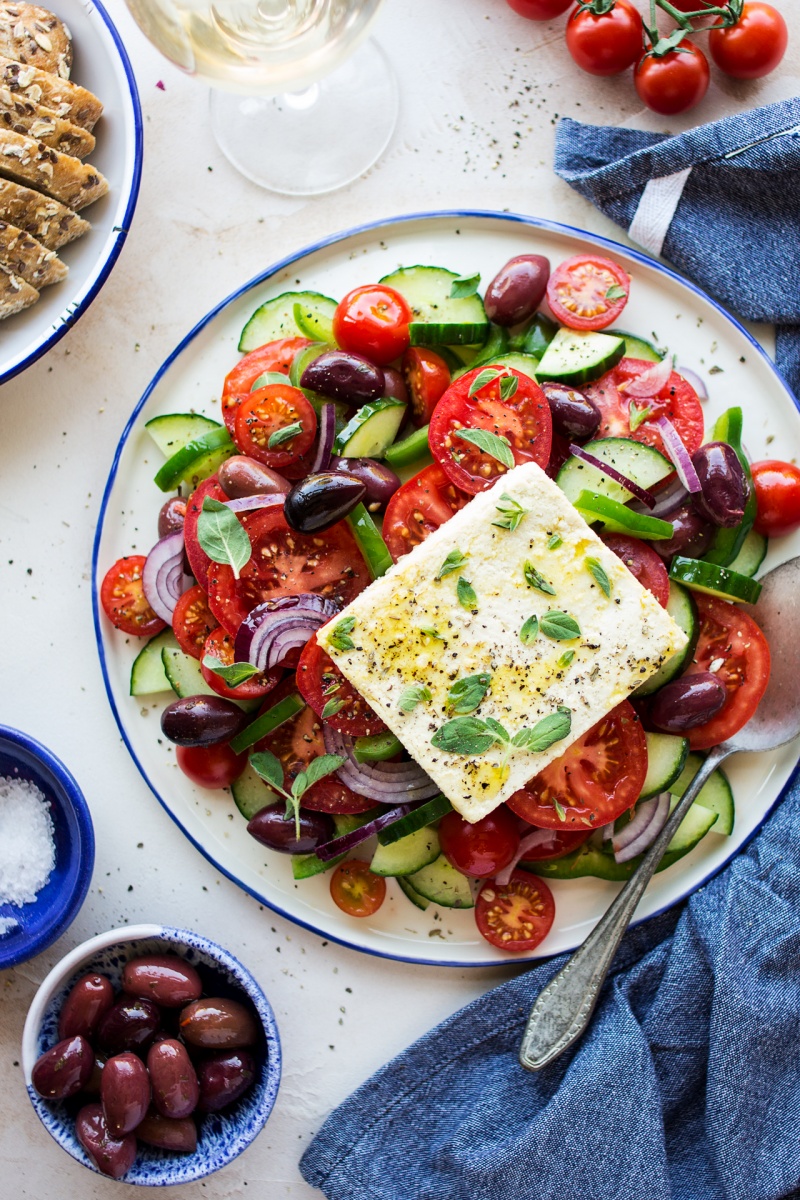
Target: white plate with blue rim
663	308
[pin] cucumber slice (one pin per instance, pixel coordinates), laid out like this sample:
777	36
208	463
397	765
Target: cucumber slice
173	431
574	357
751	555
526	364
534	337
376	747
306	865
683	610
196	460
443	884
370	433
426	814
270	377
407	855
313	322
616	518
639	463
412	448
147	673
728	542
251	793
666	757
716	795
370	541
186	678
414	896
715	581
283	711
427	290
446	333
275	318
638	347
304	358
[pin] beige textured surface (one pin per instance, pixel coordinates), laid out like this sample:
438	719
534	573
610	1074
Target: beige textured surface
480	94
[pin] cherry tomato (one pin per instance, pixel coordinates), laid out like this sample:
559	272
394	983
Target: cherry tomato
677	400
192	621
754	45
210	766
419	507
330	795
731	641
594	781
427	378
605	44
558	843
265	414
517	915
588	292
674	83
373	321
482	848
332	697
219	645
643	563
274	356
123	599
199	562
522	419
777	487
355	890
539	10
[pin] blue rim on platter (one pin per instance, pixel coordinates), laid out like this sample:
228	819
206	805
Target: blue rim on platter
372	226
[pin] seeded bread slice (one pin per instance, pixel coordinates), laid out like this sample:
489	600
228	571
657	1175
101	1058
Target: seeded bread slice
15	293
66	99
61	176
35	37
23	116
24	256
52	223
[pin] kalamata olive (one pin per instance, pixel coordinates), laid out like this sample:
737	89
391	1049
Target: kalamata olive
129	1025
165	978
319	501
88	1000
124	1093
215	1023
64	1069
724	486
223	1078
343	376
574	415
202	720
173	1078
517	289
380	481
243	476
270	827
691	534
168	1134
92	1088
171	516
111	1155
394	386
687	702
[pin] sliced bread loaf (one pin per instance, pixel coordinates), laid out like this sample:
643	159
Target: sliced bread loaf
15	293
21	254
61	176
66	99
52	223
35	37
23	116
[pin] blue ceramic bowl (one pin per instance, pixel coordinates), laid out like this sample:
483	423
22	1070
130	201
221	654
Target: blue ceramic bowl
221	1136
55	907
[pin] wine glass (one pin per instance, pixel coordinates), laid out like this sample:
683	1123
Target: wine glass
308	104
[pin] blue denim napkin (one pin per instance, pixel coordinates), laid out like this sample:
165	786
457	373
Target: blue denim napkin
687	1084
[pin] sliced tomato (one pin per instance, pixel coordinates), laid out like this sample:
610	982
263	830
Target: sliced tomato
677	400
427	378
419	507
219	645
372	320
330	795
588	292
192	621
517	915
323	686
274	356
355	890
123	599
286	563
555	844
594	781
265	415
297	740
210	766
733	647
198	560
643	563
522	420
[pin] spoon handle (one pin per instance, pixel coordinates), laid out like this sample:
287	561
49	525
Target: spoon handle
564	1007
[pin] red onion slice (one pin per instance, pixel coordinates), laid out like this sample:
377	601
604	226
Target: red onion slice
537	837
642	831
385	782
276	627
650	382
163	578
639	492
326	432
249	503
679	454
349	841
667	500
695	381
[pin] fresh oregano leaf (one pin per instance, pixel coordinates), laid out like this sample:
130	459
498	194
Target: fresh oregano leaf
233	674
511	512
464	735
269	768
466	594
555	541
494	444
566	658
222	536
465	285
318	768
559	626
482	378
529	631
339	636
332	707
466	694
535	579
508	386
454	562
285	434
561	812
616	292
411	696
545	733
432	632
636	415
599	575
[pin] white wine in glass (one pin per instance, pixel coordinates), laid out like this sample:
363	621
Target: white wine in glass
308	104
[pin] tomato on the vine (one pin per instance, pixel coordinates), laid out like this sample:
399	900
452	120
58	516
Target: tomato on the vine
275	425
588	292
539	10
777	486
605	42
123	599
373	320
480	848
516	915
754	45
673	82
355	890
210	766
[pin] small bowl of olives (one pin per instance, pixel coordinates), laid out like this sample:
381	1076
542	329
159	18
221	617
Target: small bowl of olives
151	1055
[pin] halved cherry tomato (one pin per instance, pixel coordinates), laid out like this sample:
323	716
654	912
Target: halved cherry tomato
522	420
274	356
594	781
517	915
210	766
754	45
266	413
419	507
605	43
559	842
373	320
123	599
324	687
643	563
192	621
199	562
673	82
219	645
677	400
777	486
330	795
734	648
355	890
482	848
286	563
588	292
427	378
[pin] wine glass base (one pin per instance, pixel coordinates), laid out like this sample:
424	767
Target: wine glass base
314	141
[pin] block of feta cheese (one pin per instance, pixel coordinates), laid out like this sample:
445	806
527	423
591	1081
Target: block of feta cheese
420	628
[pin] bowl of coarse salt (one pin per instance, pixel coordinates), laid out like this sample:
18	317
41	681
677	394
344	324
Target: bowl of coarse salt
46	847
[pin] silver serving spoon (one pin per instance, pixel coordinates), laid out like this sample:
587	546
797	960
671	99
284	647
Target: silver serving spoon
564	1008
